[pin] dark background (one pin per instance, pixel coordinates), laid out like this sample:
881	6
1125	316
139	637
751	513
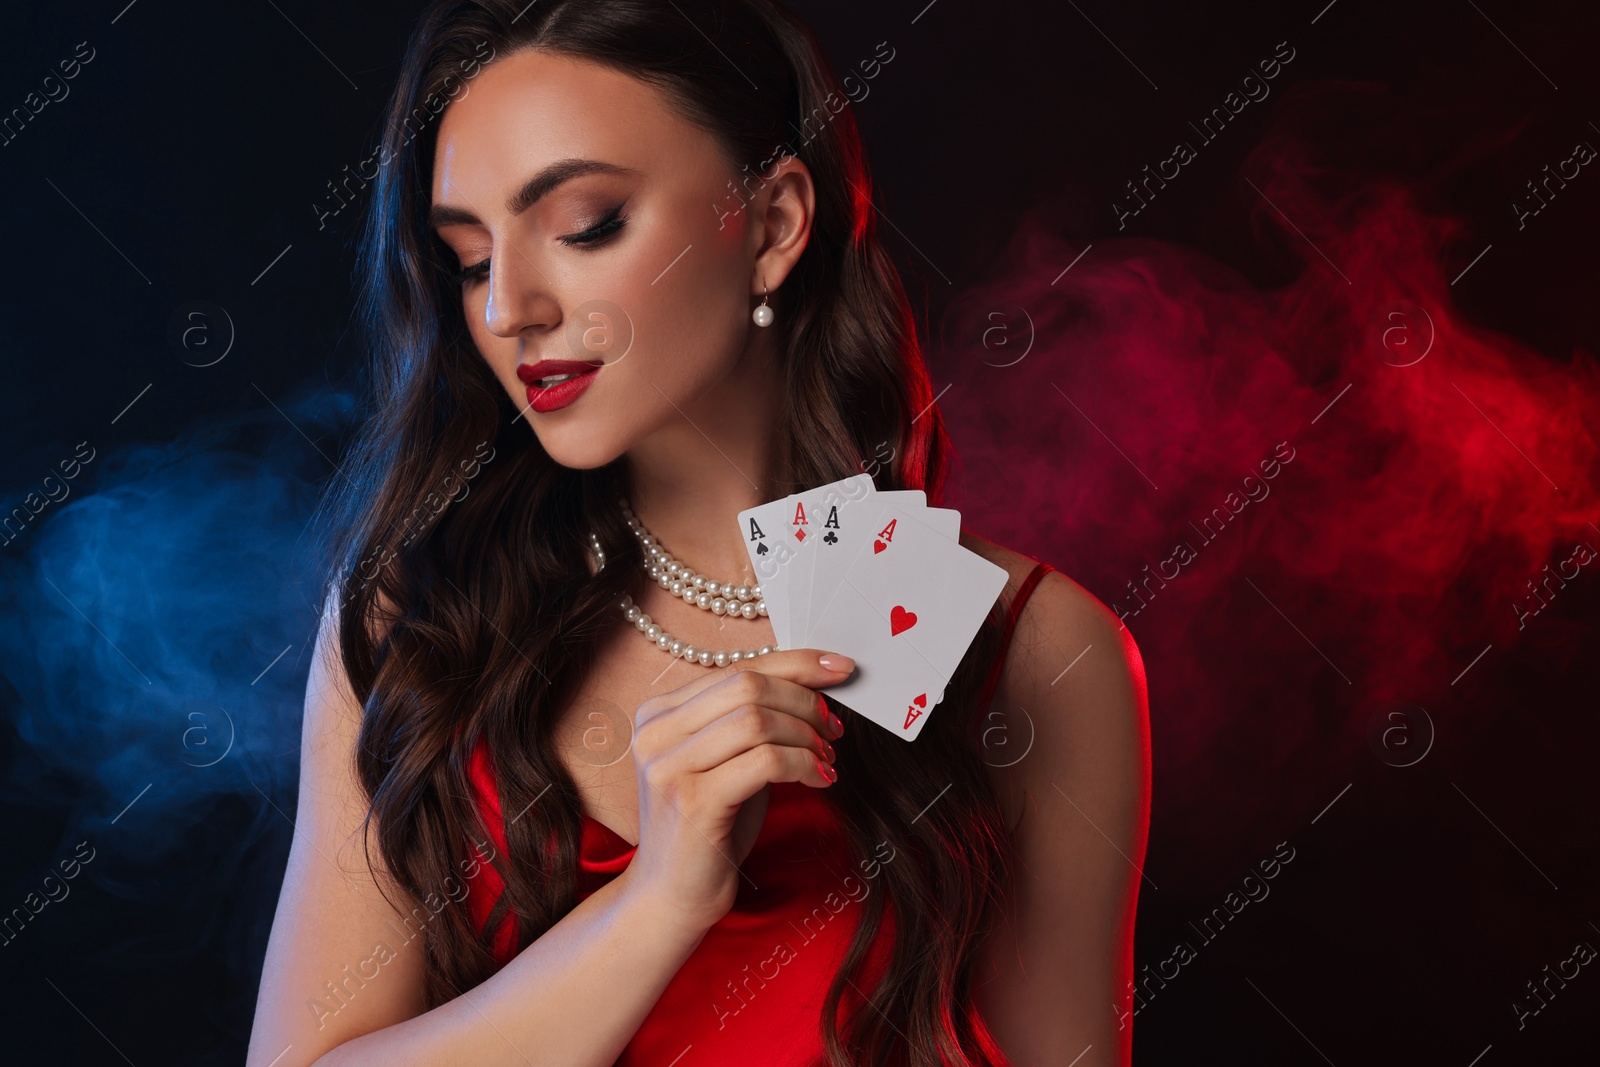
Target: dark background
1425	891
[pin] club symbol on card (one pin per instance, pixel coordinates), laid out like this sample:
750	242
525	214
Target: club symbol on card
900	620
831	539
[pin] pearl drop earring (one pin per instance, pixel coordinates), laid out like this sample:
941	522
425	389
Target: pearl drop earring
762	314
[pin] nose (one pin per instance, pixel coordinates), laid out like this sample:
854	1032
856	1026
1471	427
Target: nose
520	296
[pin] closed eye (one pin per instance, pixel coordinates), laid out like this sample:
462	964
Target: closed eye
614	220
594	236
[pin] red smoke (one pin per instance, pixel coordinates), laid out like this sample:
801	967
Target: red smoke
1102	414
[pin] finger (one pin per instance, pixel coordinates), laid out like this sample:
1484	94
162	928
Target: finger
800	665
743	775
744	728
753	688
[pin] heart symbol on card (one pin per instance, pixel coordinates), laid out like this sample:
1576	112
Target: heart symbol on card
921	701
878	546
900	620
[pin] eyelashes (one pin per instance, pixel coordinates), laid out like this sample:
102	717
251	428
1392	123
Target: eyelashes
466	274
613	221
593	237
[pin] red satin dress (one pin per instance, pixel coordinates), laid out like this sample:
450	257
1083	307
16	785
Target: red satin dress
752	990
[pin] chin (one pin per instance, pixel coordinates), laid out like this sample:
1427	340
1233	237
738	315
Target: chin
578	447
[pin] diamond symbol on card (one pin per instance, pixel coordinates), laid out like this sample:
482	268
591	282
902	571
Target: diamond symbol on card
799	535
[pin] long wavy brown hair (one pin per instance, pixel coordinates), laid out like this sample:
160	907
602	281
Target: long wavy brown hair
457	546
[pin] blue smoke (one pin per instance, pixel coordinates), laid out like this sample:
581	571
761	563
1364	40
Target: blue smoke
156	631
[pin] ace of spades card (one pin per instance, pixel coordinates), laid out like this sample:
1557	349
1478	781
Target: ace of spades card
778	535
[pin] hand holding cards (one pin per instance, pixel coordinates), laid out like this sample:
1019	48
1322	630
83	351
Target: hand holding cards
880	577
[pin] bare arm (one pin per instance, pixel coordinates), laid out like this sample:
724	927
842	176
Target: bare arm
340	987
1054	988
575	996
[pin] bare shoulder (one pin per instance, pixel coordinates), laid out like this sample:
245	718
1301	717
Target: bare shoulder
1075	771
1074	682
1015	563
1059	611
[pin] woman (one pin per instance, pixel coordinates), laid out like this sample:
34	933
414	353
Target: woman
589	849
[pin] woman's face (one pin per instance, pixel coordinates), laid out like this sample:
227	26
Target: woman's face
620	254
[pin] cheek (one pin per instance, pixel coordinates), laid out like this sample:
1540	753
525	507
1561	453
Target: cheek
689	320
679	304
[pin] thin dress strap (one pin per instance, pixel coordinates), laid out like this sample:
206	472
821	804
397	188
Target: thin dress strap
1018	599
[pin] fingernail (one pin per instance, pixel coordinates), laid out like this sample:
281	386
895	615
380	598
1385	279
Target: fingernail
828	772
837	663
835	724
827	750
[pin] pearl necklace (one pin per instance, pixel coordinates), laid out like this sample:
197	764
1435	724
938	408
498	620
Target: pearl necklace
719	598
684	581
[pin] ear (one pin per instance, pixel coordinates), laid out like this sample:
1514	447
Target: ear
784	211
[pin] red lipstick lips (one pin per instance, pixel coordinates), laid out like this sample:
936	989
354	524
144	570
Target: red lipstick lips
553	396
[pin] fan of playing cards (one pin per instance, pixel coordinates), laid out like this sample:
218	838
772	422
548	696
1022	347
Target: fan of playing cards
880	577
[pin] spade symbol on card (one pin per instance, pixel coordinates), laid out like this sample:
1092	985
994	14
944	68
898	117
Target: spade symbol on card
761	549
900	620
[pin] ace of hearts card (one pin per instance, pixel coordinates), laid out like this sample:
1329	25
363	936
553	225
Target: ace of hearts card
906	610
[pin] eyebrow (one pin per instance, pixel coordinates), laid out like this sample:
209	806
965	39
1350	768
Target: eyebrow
532	191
